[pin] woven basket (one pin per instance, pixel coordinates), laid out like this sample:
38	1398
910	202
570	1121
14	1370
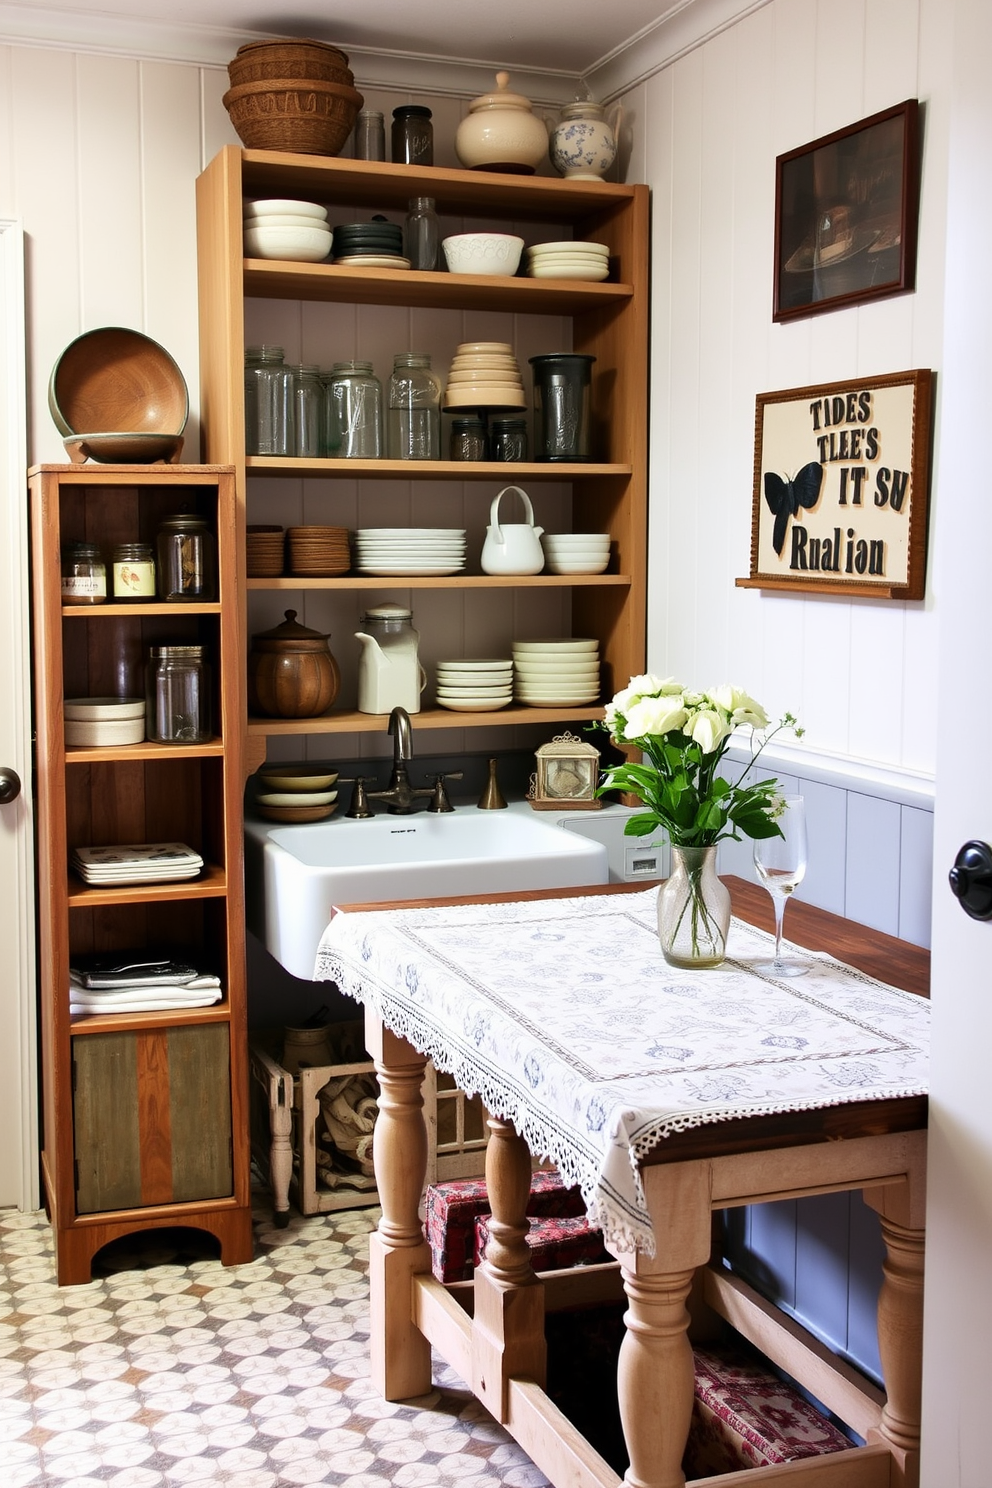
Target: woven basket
309	118
260	60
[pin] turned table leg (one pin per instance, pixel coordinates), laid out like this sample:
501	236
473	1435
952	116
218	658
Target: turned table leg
655	1371
281	1146
508	1325
401	1355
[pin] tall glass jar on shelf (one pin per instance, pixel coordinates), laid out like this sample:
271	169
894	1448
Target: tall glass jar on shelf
273	405
413	427
353	412
308	397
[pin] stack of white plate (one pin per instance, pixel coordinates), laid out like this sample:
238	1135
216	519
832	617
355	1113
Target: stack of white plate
135	863
102	721
428	551
576	552
573	260
556	673
475	686
294	230
484	374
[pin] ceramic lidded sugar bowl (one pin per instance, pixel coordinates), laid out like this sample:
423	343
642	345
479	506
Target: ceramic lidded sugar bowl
584	142
291	672
501	132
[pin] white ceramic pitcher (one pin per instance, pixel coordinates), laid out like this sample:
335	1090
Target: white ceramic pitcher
389	673
512	547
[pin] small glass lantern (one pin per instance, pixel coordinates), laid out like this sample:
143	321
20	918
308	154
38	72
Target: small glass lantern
567	776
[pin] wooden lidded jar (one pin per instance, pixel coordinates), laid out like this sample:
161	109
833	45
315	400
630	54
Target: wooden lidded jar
291	672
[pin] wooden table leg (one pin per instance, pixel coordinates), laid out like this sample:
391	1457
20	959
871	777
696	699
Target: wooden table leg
655	1372
508	1326
900	1317
401	1355
281	1148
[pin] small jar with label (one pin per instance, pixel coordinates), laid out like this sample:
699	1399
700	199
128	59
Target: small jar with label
187	560
177	695
468	439
412	135
84	574
134	571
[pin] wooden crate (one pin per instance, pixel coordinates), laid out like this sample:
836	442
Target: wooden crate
285	1111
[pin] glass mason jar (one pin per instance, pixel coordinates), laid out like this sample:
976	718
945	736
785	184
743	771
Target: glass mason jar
412	135
468	438
133	567
508	438
84	574
422	234
177	695
187	559
413	430
253	360
308	398
274	404
370	136
352	412
693	910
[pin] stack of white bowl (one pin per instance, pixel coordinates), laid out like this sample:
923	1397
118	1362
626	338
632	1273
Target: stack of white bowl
427	551
100	722
556	673
568	260
475	686
292	230
576	552
484	374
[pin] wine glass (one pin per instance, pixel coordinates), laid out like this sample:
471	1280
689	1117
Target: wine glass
780	863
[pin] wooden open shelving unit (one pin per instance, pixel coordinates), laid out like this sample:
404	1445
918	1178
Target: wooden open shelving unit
609	320
145	1114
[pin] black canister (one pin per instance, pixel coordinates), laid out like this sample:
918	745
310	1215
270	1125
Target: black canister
412	135
561	405
187	559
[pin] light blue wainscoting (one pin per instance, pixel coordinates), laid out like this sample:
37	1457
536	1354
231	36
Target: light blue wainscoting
870	859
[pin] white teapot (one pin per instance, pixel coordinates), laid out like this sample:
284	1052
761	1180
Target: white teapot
512	547
584	140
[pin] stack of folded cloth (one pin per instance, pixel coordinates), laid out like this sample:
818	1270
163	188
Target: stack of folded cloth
137	982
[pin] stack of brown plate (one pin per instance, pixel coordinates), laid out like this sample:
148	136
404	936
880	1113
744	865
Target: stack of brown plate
264	551
318	552
484	374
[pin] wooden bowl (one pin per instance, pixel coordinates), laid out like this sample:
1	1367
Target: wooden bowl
296	813
305	117
117	379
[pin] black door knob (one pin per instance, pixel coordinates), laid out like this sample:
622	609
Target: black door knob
10	785
971	880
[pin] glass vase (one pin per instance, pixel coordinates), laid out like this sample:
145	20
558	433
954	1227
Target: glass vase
693	910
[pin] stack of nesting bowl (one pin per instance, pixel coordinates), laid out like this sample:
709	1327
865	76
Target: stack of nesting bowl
280	228
292	94
296	792
576	552
117	396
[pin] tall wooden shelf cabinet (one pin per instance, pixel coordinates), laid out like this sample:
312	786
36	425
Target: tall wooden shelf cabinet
609	320
145	1114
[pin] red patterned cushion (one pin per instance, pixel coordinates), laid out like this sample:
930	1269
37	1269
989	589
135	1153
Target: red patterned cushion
744	1416
452	1209
555	1244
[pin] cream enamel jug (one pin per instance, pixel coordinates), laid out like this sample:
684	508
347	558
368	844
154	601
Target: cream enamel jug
389	672
512	547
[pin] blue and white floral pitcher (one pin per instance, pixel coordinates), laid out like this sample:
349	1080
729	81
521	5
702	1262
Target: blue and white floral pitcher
584	141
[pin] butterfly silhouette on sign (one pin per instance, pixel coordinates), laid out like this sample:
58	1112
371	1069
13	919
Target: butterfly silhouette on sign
785	497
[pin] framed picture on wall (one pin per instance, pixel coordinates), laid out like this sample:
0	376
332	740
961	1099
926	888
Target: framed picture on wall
846	212
841	487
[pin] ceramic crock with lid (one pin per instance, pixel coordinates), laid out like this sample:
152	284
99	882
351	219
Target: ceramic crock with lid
291	672
501	132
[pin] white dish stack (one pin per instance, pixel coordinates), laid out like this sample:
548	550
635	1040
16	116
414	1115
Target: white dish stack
556	673
475	686
292	230
427	551
101	722
136	863
569	260
576	552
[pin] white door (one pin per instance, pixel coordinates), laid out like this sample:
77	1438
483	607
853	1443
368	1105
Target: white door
18	1085
958	1308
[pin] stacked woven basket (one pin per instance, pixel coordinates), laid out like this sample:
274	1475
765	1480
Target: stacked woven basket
293	94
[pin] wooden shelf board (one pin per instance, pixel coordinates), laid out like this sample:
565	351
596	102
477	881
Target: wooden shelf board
129	611
496	470
91	755
429	718
450	581
271	279
212	884
219	1012
130	475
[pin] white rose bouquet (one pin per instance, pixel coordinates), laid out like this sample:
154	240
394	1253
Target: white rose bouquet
683	735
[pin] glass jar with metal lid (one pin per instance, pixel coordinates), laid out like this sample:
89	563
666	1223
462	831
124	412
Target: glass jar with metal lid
134	572
84	574
187	559
177	695
353	412
468	438
412	135
508	437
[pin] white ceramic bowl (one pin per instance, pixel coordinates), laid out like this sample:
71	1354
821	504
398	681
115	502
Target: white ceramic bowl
294	244
569	269
475	705
578	245
104	733
576	539
577	565
297	779
102	709
282	219
554	645
298	798
483	253
486	664
280	207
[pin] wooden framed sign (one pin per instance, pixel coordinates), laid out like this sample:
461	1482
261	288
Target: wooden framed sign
841	487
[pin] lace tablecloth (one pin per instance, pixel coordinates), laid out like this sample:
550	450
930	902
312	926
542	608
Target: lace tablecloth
565	1018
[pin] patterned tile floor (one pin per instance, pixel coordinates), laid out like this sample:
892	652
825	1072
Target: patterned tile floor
170	1369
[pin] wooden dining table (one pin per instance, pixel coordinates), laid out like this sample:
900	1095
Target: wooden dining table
491	1330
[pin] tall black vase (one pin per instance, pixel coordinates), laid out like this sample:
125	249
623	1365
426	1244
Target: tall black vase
561	403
